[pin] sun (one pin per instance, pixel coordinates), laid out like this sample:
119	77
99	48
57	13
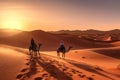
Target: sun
12	24
12	20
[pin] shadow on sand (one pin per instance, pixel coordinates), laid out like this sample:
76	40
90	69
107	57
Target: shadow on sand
53	70
110	52
87	68
33	68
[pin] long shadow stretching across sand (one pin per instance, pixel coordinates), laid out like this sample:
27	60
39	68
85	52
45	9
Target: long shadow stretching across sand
31	71
110	52
54	71
87	68
117	75
33	68
84	66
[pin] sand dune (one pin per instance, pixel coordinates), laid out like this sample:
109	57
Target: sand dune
89	60
84	64
78	65
11	61
116	43
106	54
50	41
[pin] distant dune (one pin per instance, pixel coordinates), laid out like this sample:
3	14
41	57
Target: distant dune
8	32
90	31
112	35
49	40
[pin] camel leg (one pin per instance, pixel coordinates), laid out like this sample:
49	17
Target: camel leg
31	55
39	53
58	54
35	53
63	55
30	51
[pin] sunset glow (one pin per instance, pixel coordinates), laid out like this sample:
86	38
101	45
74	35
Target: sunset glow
59	39
12	19
54	15
12	23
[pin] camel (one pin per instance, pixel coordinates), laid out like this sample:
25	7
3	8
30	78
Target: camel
63	51
34	50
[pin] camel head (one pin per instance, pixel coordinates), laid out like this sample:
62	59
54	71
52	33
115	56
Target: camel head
69	48
39	44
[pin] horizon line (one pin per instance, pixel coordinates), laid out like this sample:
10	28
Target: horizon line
58	30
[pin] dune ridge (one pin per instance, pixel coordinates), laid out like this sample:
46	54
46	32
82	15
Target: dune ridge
23	38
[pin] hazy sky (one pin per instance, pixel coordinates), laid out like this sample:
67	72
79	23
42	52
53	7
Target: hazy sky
60	14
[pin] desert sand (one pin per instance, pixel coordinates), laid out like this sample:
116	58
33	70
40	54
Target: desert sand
88	60
84	64
11	62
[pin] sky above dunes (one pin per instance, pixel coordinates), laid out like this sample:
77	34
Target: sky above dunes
60	14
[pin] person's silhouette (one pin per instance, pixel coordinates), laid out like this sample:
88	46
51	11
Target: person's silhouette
32	42
62	46
33	45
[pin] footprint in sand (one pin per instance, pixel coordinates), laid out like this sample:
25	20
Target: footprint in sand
83	57
90	78
82	76
19	76
25	69
69	74
27	59
73	71
38	78
79	72
64	69
76	51
59	65
28	63
93	75
45	75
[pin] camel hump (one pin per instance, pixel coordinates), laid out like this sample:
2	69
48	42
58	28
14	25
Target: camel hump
70	47
40	44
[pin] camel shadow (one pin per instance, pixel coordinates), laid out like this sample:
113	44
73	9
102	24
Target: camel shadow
28	72
117	75
53	70
88	68
33	68
109	52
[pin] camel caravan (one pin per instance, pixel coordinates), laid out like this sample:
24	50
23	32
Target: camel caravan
34	49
